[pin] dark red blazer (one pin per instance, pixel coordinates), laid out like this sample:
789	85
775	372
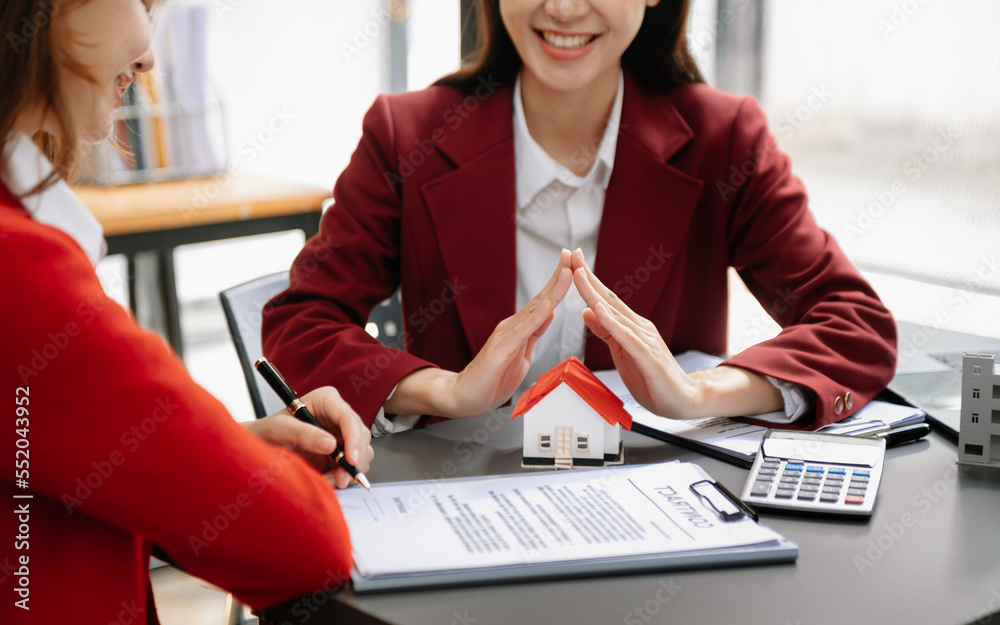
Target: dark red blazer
699	185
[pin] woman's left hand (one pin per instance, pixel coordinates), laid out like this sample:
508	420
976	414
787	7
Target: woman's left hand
645	363
650	371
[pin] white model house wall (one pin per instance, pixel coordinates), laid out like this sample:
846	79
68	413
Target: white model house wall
979	431
562	406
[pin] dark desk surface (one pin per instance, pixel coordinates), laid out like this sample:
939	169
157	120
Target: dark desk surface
929	554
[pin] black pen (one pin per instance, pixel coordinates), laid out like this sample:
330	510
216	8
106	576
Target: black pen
275	380
905	434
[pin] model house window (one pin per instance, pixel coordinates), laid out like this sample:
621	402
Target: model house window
995	417
973	450
582	443
975	393
996	391
975	417
545	441
977	369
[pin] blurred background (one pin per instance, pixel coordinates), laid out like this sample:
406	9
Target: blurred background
890	110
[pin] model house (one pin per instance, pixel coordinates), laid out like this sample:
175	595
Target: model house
979	433
571	419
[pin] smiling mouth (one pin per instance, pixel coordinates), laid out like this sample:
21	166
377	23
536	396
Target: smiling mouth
565	42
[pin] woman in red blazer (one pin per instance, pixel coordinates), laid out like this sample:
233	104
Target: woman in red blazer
432	202
109	446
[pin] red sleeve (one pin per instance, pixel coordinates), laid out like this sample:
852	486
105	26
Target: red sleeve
837	338
315	331
110	404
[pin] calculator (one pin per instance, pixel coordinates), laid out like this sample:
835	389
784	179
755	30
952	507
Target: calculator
816	473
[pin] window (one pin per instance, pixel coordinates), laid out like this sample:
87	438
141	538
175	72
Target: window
582	443
545	442
973	450
995	417
975	417
977	369
975	393
996	391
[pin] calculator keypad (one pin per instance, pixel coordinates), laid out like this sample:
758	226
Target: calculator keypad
810	482
816	472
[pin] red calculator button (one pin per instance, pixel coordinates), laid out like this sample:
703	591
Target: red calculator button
854	499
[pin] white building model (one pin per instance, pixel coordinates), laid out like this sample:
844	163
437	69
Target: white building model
571	419
979	432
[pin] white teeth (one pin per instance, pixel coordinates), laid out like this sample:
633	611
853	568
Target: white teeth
568	43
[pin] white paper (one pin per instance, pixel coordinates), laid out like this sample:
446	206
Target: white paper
728	435
448	526
735	437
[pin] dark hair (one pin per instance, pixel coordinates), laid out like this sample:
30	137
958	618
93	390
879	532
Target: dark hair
658	58
35	45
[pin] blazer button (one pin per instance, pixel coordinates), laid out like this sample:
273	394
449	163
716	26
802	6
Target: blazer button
848	400
838	405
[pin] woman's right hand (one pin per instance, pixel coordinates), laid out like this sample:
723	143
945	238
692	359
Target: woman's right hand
496	371
341	425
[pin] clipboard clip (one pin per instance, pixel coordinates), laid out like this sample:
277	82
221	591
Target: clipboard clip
725	505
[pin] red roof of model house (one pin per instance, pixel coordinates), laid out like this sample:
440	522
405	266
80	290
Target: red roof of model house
584	383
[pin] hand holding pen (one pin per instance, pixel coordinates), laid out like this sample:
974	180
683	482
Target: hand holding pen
299	410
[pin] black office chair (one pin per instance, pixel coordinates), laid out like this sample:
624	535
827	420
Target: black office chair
243	305
385	322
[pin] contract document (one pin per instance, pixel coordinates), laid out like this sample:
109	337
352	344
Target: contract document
567	523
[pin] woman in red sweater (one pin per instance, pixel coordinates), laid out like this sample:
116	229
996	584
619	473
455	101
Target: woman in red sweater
581	125
109	447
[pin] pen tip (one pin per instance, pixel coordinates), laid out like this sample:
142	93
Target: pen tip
360	477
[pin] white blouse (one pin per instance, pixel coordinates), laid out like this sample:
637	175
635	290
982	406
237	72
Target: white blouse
557	209
57	206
